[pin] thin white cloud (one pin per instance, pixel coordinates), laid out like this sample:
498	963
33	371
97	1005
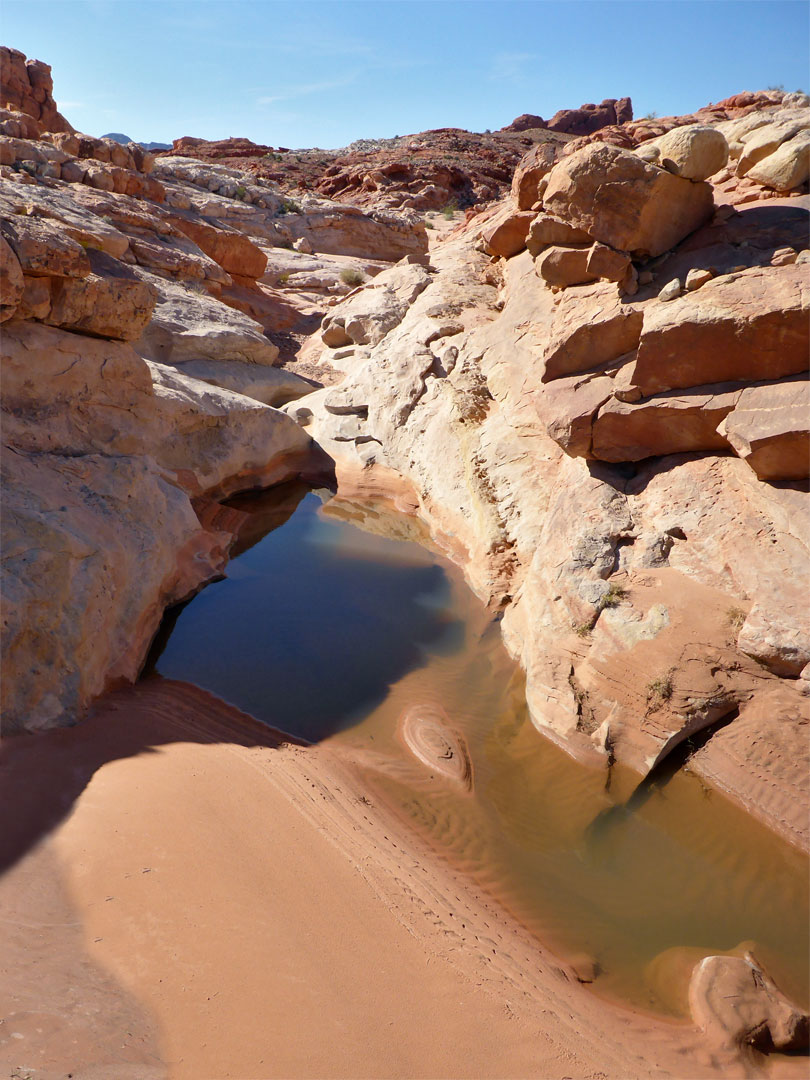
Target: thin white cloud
72	105
304	89
511	66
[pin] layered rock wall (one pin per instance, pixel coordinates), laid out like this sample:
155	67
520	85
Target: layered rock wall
575	444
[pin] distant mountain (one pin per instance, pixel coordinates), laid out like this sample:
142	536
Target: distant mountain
124	139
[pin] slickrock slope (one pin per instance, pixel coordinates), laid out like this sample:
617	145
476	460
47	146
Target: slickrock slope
139	306
570	429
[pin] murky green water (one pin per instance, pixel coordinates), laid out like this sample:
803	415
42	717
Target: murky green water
330	631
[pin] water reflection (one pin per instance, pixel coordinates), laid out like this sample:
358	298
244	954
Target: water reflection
325	629
307	632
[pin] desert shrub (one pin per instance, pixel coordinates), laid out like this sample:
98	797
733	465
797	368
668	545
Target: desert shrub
660	689
352	277
611	598
289	206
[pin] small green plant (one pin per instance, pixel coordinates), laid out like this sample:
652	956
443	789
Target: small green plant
429	225
611	598
282	279
660	689
583	630
352	277
448	211
736	617
240	192
289	206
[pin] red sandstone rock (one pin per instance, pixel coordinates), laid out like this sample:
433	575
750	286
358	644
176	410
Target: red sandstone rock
749	326
508	237
590	118
531	169
564	266
591	329
665	424
234	252
27	85
11	281
770	429
545	230
606	263
625	202
109	307
525	122
43	249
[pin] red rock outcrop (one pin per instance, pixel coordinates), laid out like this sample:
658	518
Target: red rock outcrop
589	118
525	122
27	86
749	326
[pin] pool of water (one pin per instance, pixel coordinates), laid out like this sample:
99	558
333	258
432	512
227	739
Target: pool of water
337	618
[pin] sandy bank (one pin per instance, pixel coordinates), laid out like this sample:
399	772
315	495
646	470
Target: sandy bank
187	897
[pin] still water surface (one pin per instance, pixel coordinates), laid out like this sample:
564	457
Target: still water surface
327	630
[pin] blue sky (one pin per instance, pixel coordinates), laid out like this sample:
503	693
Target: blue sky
324	73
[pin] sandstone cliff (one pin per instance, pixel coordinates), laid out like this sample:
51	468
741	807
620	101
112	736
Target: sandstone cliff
140	342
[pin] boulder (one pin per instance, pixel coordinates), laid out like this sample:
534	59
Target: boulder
736	1004
625	202
786	168
546	230
94	547
747	327
532	168
232	250
695	152
508	237
43	249
111	307
525	122
346	230
606	263
765	139
568	407
664	424
590	330
770	429
563	266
